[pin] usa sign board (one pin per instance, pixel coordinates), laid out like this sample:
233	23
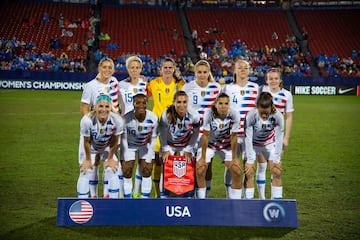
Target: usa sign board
177	211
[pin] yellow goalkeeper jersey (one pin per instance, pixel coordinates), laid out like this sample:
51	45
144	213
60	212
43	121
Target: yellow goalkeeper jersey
162	93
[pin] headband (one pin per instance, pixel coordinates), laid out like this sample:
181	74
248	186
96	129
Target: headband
103	98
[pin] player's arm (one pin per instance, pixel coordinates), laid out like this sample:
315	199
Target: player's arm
279	133
250	152
192	142
234	141
110	162
152	143
87	162
84	108
165	148
288	126
204	145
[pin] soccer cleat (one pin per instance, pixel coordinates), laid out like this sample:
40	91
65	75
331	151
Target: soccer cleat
136	195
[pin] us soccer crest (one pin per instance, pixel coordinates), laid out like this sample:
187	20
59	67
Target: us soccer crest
242	92
167	90
202	93
140	128
179	168
221	125
135	90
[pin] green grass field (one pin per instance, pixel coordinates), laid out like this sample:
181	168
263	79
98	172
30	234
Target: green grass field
38	162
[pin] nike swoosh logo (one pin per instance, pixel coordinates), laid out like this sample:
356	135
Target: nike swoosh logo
342	91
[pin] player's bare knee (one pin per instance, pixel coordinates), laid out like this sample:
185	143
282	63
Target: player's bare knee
146	171
201	170
235	169
127	172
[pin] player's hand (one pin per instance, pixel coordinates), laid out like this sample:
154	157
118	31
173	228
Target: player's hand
165	156
188	157
285	143
85	166
112	164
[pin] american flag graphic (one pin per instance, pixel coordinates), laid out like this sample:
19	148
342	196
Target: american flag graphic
81	211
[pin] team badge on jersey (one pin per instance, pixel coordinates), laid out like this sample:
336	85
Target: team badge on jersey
179	126
167	90
140	128
179	168
135	90
102	131
202	93
242	92
221	125
263	126
107	89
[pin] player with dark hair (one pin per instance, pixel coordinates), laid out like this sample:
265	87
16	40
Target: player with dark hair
138	140
264	127
179	130
221	126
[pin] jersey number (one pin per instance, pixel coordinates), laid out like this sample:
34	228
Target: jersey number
235	100
128	97
195	99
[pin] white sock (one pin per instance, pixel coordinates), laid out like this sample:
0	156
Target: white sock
146	187
261	179
249	193
93	181
161	186
235	193
127	187
121	182
276	192
138	178
227	181
113	182
201	193
83	186
106	185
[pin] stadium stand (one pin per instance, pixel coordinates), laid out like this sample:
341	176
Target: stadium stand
40	32
255	27
331	31
128	27
262	30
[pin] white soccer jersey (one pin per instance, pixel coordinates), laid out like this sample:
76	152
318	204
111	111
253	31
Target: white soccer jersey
140	133
221	130
100	135
94	88
283	100
126	93
242	99
200	98
261	133
182	135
